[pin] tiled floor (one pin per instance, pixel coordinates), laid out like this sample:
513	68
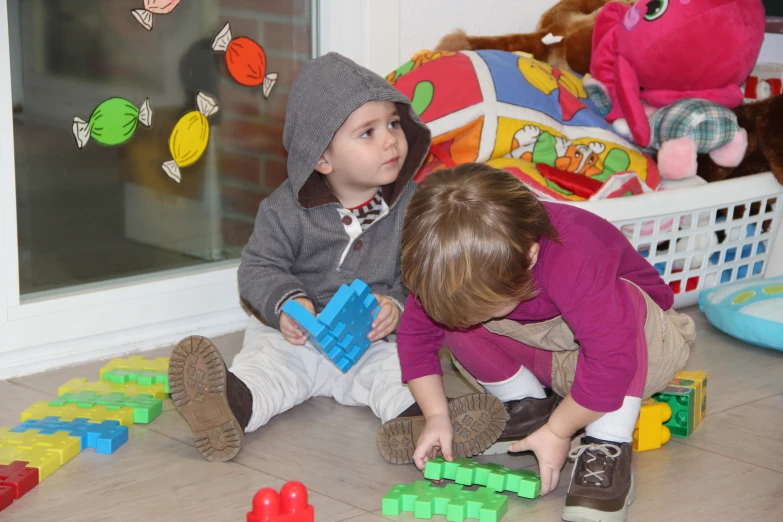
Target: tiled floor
731	469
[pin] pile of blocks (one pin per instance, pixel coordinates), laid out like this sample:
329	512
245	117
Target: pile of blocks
84	415
676	411
454	501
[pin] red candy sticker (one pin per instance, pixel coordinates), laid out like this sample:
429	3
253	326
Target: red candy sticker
246	60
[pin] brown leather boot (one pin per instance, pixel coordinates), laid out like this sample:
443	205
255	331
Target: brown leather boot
602	485
477	419
524	417
215	403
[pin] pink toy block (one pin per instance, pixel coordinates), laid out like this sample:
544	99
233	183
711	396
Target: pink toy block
290	505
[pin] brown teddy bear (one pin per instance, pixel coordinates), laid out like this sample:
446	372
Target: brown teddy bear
764	122
571	19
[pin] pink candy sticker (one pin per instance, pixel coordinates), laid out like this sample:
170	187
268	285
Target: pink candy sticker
151	7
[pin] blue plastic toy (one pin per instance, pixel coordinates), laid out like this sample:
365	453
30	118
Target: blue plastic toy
105	437
340	331
750	310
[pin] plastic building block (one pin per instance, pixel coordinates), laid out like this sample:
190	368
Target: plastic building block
687	397
44	461
145	408
130	389
650	433
63	445
453	501
290	505
682	402
6	497
44	452
41	410
138	369
18	477
698	381
105	437
523	482
340	331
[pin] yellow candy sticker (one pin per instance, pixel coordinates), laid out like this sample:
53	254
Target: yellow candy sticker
190	137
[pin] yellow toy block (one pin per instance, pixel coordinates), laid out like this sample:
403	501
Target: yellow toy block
61	444
137	363
41	410
650	433
130	389
47	462
698	381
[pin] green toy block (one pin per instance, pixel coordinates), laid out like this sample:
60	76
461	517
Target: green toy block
524	483
436	501
141	377
456	503
682	402
145	408
402	497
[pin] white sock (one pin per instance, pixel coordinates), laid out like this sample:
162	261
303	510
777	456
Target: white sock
617	426
519	386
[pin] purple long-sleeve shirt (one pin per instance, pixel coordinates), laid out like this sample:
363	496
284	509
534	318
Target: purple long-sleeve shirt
578	279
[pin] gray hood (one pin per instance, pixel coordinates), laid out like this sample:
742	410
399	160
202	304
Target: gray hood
311	123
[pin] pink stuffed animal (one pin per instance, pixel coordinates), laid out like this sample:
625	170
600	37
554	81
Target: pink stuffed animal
661	51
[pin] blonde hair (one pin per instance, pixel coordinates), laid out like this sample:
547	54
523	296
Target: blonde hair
466	242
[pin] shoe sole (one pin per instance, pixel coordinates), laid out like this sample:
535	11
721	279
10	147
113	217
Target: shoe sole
583	514
478	420
498	448
197	380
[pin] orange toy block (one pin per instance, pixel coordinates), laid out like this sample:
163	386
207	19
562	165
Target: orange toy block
650	433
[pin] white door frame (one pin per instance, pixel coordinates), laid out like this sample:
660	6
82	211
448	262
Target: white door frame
142	313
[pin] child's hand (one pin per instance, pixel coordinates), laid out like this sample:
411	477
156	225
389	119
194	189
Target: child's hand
290	331
437	435
551	451
387	320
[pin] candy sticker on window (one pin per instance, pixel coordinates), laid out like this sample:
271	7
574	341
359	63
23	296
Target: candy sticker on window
246	60
153	7
113	122
190	137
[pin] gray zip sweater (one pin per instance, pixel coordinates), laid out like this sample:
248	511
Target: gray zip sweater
299	237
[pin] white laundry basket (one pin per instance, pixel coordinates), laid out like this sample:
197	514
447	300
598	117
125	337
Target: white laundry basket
704	236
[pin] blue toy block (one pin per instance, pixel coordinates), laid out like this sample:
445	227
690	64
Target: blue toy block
105	437
340	331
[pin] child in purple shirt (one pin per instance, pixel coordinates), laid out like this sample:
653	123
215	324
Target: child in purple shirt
528	296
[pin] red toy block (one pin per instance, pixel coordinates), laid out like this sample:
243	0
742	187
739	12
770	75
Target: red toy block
290	505
6	497
18	477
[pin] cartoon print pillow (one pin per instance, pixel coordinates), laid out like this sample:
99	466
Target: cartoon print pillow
751	311
486	106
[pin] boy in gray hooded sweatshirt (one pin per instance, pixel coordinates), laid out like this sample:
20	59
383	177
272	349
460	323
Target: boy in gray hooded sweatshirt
354	145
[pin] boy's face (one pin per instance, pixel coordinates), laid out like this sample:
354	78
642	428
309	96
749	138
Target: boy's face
369	149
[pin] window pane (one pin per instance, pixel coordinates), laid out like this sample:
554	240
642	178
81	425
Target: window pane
110	209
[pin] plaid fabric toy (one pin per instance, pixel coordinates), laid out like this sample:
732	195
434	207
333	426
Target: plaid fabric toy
709	124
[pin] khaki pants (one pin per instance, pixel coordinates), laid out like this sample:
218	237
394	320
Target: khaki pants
669	335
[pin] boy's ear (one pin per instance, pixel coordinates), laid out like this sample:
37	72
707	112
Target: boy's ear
323	166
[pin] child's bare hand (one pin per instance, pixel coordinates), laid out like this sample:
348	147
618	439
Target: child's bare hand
387	320
437	436
551	452
290	331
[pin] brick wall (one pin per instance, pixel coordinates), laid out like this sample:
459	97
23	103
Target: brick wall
252	160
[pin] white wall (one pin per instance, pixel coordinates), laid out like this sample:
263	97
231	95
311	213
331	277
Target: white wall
424	22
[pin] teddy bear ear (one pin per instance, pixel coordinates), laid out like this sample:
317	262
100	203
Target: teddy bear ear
604	52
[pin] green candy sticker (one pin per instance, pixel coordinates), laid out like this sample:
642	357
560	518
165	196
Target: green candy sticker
112	123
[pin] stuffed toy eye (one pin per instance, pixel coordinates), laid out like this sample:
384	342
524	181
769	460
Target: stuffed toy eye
656	9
